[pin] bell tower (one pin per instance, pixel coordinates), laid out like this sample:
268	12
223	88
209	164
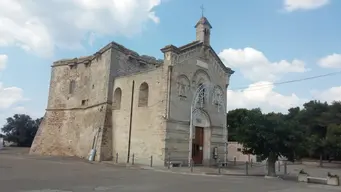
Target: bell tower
203	29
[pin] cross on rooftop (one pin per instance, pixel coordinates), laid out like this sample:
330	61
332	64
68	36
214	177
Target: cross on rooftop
202	10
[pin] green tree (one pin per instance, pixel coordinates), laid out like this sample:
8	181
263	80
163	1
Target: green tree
313	131
315	120
333	116
333	135
293	118
333	140
235	119
21	129
268	136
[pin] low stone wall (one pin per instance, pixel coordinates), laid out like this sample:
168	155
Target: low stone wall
328	180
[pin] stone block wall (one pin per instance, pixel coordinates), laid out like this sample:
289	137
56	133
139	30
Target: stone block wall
74	117
148	123
193	66
177	140
68	132
217	140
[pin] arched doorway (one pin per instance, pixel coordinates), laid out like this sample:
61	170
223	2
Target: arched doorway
201	136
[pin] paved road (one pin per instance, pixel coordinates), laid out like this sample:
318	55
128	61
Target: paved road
23	173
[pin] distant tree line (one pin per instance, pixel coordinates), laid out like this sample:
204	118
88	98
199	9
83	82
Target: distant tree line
313	131
20	129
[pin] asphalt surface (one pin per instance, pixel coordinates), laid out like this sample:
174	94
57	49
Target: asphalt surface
20	172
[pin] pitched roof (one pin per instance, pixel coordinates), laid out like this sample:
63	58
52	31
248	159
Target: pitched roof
203	21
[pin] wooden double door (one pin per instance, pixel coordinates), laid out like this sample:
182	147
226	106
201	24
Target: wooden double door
198	146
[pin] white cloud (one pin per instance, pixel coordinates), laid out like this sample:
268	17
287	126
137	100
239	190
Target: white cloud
262	95
293	5
329	95
3	61
23	110
19	109
40	25
10	96
331	61
255	66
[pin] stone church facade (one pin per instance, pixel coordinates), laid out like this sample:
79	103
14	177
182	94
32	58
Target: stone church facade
136	104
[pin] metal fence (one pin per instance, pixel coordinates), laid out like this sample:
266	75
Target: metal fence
253	168
219	167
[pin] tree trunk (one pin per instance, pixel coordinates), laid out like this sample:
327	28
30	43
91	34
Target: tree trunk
321	160
272	165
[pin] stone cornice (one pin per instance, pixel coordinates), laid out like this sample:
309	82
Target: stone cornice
226	69
179	50
187	123
184	48
111	45
171	48
177	121
78	108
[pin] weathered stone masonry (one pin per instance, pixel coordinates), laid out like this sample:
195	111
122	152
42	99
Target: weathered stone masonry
135	104
72	120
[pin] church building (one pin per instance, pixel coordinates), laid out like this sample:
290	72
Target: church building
124	104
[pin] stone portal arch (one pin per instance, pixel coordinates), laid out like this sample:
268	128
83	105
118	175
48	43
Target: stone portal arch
201	143
201	118
197	112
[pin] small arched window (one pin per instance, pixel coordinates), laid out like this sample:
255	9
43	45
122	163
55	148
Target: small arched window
117	99
143	95
72	86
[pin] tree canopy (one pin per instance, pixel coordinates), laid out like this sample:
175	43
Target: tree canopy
21	129
312	131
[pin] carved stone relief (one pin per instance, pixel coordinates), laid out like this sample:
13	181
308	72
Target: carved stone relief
183	87
201	119
217	98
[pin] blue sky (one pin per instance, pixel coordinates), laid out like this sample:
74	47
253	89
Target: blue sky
264	41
